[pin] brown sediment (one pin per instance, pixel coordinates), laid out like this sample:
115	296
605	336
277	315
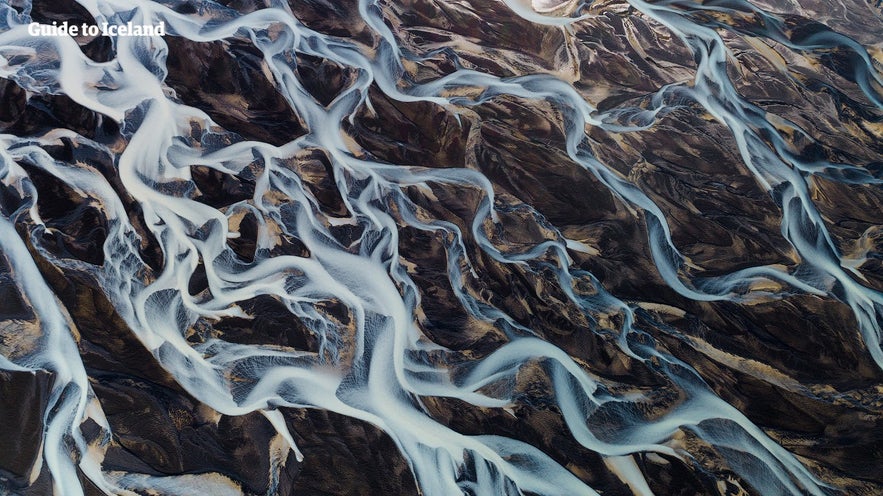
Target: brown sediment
792	363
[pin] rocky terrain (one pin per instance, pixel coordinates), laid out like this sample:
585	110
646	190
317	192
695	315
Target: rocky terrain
434	247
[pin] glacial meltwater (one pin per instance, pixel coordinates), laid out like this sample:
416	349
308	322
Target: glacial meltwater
441	247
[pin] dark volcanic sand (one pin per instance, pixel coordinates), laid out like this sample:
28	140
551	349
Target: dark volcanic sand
443	247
